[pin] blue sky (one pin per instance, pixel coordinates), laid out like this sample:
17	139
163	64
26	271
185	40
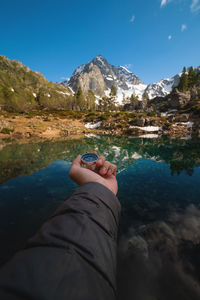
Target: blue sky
154	38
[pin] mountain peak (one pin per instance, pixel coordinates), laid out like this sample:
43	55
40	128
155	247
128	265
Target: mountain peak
99	76
100	60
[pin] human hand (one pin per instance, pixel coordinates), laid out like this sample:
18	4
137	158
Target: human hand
104	172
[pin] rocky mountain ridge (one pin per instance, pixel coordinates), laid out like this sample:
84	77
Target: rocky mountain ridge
99	76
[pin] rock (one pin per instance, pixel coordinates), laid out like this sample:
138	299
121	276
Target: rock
196	130
142	105
178	99
140	122
171	118
129	107
195	93
181	118
153	123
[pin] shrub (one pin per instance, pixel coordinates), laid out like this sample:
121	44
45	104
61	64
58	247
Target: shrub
6	130
152	114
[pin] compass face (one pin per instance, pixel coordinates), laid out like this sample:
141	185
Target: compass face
89	157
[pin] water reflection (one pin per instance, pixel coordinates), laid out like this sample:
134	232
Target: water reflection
21	159
160	194
161	260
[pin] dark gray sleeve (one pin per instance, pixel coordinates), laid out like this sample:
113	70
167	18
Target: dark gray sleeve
73	256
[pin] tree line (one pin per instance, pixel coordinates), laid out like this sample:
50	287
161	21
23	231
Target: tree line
188	79
106	103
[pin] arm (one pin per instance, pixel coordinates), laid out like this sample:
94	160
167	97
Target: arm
73	256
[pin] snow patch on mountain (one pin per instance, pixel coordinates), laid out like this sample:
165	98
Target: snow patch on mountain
124	70
79	70
100	59
99	76
137	90
162	87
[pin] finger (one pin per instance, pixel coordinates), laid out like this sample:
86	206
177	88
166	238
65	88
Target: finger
111	169
90	167
114	168
100	161
103	170
77	161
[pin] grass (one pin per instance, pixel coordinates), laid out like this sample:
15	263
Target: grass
6	130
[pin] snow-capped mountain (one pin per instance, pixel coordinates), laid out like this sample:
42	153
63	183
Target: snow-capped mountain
99	76
162	87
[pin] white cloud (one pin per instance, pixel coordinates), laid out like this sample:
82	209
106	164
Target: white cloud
132	19
195	6
163	2
169	37
183	27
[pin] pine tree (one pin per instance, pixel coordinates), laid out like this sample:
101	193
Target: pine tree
90	100
191	77
184	70
183	84
134	100
105	103
144	96
80	99
112	99
113	91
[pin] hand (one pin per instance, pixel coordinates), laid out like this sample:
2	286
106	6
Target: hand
104	173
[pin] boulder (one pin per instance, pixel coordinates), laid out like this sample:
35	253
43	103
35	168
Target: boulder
129	107
140	122
182	118
178	99
195	93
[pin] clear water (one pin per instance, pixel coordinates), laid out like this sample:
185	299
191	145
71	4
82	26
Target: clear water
159	189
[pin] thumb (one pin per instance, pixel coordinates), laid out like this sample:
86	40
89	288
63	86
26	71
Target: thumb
77	161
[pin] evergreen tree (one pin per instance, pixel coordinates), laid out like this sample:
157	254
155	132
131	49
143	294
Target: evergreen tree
80	99
90	100
183	84
105	103
134	100
144	96
191	77
112	99
113	91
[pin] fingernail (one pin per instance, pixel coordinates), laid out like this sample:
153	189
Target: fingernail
109	171
100	160
104	169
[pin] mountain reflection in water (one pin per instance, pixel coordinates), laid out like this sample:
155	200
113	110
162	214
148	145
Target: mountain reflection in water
159	189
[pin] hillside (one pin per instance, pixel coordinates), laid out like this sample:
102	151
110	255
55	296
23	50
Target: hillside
22	89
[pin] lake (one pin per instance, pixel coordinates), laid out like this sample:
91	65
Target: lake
159	189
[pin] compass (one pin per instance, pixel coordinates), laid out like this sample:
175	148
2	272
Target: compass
89	158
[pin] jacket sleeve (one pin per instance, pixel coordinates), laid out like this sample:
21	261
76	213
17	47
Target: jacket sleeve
73	256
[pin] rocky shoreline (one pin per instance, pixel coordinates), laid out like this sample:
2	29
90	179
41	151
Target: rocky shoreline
171	123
